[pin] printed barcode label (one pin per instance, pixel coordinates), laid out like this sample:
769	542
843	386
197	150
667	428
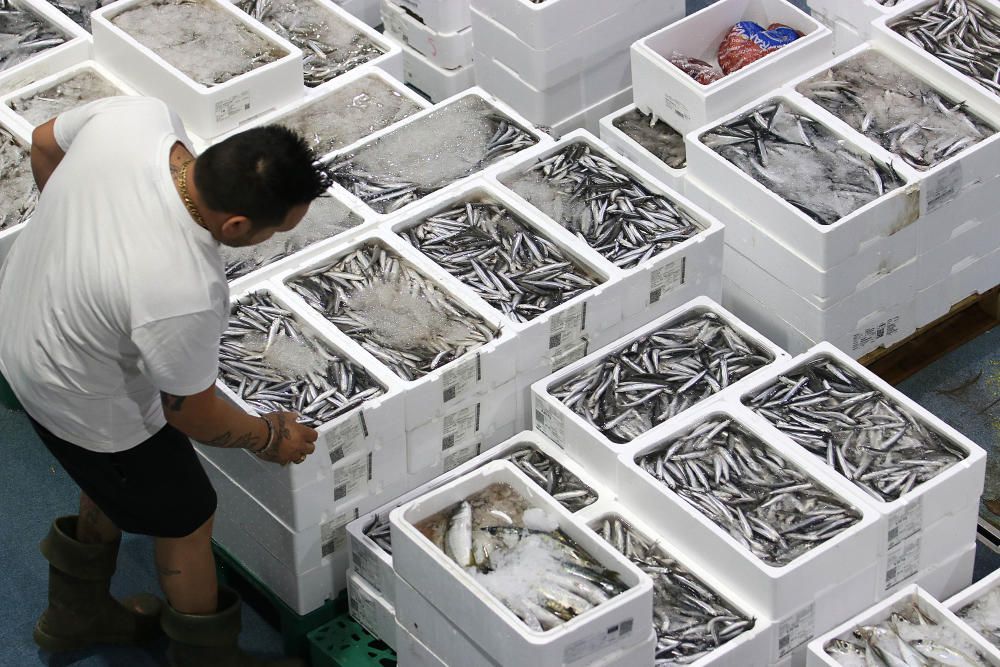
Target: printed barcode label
460	427
875	333
554	340
362	561
679	108
570	354
597	642
905	521
903	561
666	279
566	333
459	455
333	533
361	606
549	421
461	379
450	393
350	478
232	106
796	630
448	441
346	438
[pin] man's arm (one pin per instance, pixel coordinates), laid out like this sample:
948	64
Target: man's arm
45	153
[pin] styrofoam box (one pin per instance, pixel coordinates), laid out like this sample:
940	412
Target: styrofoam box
77	48
585	443
950	577
9	234
934	610
447	50
439	15
371	610
411	652
207	110
665	90
665	281
435	82
566	98
621	622
590	118
365	10
858	15
973	593
750	649
630	148
545	67
975	237
968	278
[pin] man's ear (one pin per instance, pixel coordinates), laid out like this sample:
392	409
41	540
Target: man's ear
236	227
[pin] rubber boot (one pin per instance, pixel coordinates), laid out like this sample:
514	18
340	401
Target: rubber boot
81	611
210	640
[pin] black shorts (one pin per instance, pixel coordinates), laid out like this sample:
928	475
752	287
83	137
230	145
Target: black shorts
156	488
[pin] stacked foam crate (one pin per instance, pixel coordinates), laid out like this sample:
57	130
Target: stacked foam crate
976	607
364	10
851	22
436	39
871	278
562	64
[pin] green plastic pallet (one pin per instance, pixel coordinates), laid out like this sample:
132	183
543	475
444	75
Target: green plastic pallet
343	643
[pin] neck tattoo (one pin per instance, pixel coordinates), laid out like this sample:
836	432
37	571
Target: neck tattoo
186	197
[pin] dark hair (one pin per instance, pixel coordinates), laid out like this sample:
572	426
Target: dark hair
260	173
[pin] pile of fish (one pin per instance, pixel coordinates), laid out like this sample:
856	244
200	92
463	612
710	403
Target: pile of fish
564	487
891	106
858	431
330	46
801	161
198	37
427	154
508	263
960	33
18	193
79	10
664	142
326	218
983	616
596	199
23	33
392	310
907	638
660	375
749	490
887	3
691	620
379	532
356	110
84	86
265	358
520	555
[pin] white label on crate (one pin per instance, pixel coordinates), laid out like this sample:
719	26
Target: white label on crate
945	187
361	607
597	642
569	355
796	630
458	455
460	427
875	332
679	107
666	279
364	562
346	438
566	331
232	106
351	477
549	421
906	521
459	380
333	533
903	561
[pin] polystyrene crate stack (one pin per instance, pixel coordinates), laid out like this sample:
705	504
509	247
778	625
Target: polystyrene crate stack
649	142
364	10
852	22
562	64
61	44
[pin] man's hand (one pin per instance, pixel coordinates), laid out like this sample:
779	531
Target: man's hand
292	441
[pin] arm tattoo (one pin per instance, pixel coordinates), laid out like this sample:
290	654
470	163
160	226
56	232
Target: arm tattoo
228	441
171	402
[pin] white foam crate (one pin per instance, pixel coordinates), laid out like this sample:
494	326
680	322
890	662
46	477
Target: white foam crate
372	612
7	238
566	98
435	82
590	447
391	60
590	118
619	623
968	277
9	234
974	238
207	110
630	148
857	16
365	10
749	649
959	601
439	15
950	577
665	90
663	282
447	50
411	652
934	610
545	67
77	48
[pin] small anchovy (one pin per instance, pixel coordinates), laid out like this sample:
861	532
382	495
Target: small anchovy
330	47
855	429
565	487
962	34
18	194
781	149
894	108
508	263
661	374
378	531
327	218
85	86
592	196
79	10
764	502
983	615
887	3
690	618
392	310
269	362
664	142
23	33
427	154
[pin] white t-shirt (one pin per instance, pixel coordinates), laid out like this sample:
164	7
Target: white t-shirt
111	293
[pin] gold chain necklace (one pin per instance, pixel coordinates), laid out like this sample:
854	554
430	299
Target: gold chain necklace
186	198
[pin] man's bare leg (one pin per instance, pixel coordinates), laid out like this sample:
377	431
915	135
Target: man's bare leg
94	526
186	568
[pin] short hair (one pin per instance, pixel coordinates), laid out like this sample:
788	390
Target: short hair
260	173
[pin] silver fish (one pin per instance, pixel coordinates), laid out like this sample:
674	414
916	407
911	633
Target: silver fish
562	485
18	194
85	86
664	142
24	33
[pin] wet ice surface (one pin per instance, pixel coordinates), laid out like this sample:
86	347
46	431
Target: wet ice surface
327	217
801	161
23	33
421	157
17	185
906	116
85	86
340	118
664	142
79	10
330	46
199	38
984	616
